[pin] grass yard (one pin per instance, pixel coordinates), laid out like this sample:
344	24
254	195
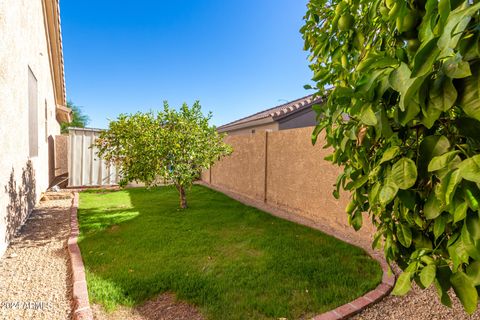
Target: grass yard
229	260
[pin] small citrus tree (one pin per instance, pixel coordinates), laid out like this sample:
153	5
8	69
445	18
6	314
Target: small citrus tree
403	119
175	145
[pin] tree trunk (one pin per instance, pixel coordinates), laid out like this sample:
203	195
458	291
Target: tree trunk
183	197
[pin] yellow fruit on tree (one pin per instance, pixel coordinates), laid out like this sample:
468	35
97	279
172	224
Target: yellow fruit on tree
344	61
345	22
413	44
384	11
390	3
410	21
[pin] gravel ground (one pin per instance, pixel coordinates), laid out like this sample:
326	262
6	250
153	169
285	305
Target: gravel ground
34	272
417	304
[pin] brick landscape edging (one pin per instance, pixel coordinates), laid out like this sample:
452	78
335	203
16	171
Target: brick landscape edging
81	304
349	309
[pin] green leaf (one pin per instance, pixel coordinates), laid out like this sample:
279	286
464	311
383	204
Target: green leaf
384	63
472	195
425	58
444	10
473	272
408	198
470	169
356	220
421	241
404	235
465	291
412	109
442	284
455	24
404	173
368	82
442	94
468	127
460	212
387	193
389	154
458	253
367	116
320	74
316	132
374	191
433	207
425	30
427	275
383	125
401	81
441	162
439	226
455	68
403	284
368	60
376	239
469	243
473	226
449	184
470	94
431	147
360	182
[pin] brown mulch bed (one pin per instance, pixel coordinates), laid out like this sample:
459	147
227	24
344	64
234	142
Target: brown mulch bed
35	278
164	307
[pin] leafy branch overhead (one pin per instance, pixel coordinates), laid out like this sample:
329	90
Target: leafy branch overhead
79	118
403	119
172	145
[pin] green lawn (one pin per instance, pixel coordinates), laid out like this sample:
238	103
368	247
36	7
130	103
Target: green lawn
230	260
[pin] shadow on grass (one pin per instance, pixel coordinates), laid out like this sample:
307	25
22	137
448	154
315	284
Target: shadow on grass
229	260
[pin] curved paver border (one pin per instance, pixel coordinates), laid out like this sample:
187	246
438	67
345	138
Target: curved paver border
81	304
349	309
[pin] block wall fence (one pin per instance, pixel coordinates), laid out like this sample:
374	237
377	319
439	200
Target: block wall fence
285	170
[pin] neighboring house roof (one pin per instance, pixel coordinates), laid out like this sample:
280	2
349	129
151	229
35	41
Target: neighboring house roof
51	9
272	114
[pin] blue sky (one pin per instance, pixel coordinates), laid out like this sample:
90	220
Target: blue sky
236	57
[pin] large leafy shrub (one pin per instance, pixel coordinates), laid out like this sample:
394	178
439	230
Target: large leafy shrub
403	119
173	145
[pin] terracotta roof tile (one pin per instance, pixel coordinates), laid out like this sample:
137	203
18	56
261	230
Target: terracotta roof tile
278	111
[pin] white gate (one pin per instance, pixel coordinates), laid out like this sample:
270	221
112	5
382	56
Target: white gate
85	168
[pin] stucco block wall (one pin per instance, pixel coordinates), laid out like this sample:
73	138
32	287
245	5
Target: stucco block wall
23	45
298	179
243	172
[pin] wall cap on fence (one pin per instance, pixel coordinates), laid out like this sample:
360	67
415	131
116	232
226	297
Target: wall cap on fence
349	309
81	304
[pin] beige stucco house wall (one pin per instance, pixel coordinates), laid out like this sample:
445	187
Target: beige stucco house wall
256	128
32	105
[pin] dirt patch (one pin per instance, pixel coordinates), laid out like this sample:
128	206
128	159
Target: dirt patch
163	307
113	229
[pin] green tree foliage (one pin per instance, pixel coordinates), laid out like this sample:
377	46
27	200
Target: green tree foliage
175	145
403	119
79	119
